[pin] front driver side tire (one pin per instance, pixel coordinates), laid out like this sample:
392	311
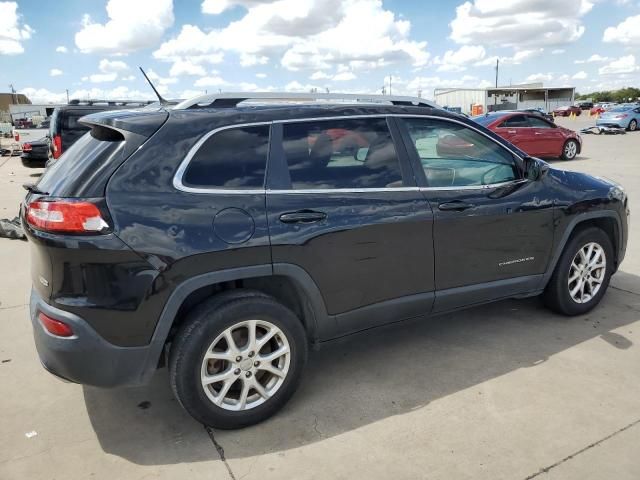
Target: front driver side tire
582	273
633	125
237	359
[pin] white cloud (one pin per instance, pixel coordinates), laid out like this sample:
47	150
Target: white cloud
557	51
42	95
153	76
129	78
319	75
132	25
55	72
261	75
580	75
210	81
595	58
626	32
539	77
517	58
303	34
344	76
101	77
13	30
456	61
111	66
62	49
519	23
216	7
626	64
249	60
185	67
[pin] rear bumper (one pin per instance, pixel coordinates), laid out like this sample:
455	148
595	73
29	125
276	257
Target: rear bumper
86	357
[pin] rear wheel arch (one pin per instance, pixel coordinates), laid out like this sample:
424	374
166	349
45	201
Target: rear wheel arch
288	284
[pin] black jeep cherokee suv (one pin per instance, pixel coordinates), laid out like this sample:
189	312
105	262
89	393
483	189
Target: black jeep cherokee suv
223	238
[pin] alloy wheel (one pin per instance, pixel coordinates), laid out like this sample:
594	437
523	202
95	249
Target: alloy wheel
570	149
587	272
245	365
633	125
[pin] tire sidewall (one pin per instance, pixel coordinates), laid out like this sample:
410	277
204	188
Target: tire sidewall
197	335
635	125
567	304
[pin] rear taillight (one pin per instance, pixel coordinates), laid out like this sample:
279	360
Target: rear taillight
55	327
66	216
57	146
26	147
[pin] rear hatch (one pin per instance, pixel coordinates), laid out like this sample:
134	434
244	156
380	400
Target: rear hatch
65	214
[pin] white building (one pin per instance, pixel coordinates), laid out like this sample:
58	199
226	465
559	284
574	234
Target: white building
514	97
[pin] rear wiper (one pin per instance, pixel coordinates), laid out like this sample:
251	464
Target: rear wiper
31	187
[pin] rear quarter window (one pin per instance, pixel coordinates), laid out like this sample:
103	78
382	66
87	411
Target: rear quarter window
235	158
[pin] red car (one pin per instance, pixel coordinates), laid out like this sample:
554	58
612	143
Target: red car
566	111
533	134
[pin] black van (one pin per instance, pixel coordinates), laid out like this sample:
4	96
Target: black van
65	128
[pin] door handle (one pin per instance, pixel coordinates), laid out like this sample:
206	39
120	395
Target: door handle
538	133
456	205
511	131
303	216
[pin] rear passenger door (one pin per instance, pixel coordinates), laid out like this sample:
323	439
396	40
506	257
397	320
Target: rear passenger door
516	129
549	138
343	205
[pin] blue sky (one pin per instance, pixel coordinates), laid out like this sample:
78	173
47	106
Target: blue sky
188	47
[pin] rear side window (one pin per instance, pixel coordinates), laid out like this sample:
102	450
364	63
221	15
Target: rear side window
235	158
516	121
71	118
344	153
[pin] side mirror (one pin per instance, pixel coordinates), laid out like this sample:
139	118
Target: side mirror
534	169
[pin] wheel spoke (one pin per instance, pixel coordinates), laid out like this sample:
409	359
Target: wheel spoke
244	393
213	355
251	327
260	389
574	277
577	288
270	357
268	367
230	341
218	377
223	391
262	341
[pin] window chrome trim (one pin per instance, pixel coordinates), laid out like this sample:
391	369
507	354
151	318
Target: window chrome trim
182	168
179	185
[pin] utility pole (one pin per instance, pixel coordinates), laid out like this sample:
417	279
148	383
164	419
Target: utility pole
497	68
13	92
67	90
390	78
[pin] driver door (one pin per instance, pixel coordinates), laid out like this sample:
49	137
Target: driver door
493	229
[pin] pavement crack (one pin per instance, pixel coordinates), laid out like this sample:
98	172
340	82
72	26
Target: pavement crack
623	290
220	451
575	454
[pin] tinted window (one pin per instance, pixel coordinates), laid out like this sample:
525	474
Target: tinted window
453	155
537	122
79	163
515	121
233	158
72	117
349	153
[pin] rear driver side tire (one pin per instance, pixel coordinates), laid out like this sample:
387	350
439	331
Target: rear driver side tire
582	273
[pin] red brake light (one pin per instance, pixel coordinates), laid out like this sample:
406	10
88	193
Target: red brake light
57	146
55	327
26	147
66	217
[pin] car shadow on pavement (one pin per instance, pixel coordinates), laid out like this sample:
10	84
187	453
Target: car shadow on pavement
364	379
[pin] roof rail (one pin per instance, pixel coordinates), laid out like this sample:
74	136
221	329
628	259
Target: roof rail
230	100
76	101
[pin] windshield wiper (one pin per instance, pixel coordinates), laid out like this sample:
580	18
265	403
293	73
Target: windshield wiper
32	188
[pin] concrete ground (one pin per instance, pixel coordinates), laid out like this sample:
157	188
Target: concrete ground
504	391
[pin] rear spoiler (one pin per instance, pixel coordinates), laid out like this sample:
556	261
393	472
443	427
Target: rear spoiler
140	122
